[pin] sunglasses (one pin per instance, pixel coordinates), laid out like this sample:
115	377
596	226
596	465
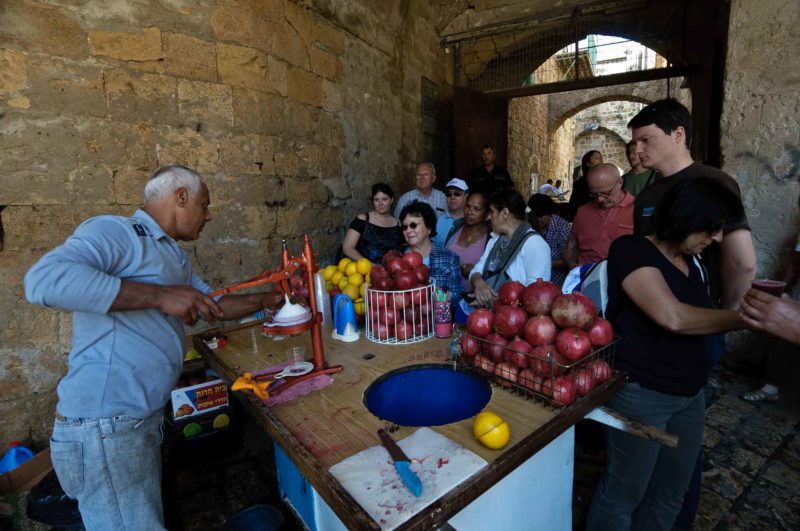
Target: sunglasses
413	225
451	194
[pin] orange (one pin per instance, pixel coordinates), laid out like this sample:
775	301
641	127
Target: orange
343	264
363	266
491	430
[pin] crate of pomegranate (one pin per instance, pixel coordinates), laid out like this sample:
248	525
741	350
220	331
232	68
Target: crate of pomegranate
398	301
545	344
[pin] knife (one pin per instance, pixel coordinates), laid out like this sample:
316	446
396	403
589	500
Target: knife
402	464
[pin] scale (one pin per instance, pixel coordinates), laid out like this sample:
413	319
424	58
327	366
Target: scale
306	263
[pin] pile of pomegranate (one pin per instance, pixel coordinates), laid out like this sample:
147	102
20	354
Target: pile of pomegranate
538	338
395	309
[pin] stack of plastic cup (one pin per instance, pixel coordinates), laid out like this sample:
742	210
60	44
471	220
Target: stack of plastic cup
323	299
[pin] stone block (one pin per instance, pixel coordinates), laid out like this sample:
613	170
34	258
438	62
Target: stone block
36	27
304	87
140	46
141	97
299	120
774	502
245	23
60	86
288	43
328	35
712	509
89	184
34	231
725	481
249	68
759	435
13	73
189	57
205	105
129	185
722	418
187	147
325	64
29	415
20	102
332	96
259	220
258	112
240	189
745	461
299	18
743	520
119	143
247	153
711	438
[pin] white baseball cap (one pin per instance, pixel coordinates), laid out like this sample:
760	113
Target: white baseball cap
457	183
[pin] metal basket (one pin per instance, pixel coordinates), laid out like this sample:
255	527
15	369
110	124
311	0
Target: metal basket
409	306
548	369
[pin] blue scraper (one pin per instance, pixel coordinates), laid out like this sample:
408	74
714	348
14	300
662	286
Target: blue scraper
402	464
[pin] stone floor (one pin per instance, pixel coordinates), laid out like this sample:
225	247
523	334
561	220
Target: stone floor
751	479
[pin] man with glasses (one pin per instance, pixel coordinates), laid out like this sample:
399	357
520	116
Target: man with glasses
425	192
456	194
598	223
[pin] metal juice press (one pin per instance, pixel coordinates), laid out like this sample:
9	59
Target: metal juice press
345	327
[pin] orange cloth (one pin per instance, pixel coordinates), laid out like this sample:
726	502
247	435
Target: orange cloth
594	228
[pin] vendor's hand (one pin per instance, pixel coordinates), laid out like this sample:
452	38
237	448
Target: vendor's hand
779	316
271	300
484	295
188	304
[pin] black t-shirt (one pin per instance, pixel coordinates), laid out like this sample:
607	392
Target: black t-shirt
579	197
648	199
658	359
482	179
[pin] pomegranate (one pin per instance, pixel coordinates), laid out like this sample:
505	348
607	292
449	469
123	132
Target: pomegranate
483	363
404	331
509	320
547	361
404	280
584	381
469	346
494	347
511	292
518	353
382	330
563	390
422	271
396	265
506	372
531	380
573	310
601	332
388	257
479	322
416	298
413	259
421	327
382	283
540	330
538	297
573	343
398	300
601	371
378	271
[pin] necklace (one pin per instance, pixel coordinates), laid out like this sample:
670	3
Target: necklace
469	238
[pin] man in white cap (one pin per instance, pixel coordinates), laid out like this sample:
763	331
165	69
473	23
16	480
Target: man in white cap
456	193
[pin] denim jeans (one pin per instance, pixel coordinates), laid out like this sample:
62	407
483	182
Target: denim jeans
112	466
645	482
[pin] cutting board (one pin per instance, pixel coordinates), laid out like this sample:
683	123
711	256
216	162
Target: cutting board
370	477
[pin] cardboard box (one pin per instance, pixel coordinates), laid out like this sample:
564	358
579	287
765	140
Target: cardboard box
14	487
199	399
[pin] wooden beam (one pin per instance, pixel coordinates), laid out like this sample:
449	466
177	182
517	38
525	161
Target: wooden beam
596	82
611	418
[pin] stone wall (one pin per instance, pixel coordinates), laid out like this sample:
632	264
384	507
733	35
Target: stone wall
607	142
760	143
289	110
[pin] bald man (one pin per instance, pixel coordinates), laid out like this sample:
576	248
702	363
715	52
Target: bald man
598	223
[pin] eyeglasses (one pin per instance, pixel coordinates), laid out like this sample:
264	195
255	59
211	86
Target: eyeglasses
606	194
453	194
413	225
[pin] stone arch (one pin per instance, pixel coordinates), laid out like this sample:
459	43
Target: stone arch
606	141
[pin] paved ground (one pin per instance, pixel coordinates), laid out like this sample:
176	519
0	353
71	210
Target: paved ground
751	477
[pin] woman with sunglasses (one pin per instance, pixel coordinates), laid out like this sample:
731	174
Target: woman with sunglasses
659	304
418	223
373	234
469	238
515	251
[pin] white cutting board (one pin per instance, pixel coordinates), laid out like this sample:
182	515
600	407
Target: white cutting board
370	477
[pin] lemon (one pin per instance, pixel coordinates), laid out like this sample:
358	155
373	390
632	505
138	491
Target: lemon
351	291
363	266
343	282
351	269
328	286
328	272
359	306
355	279
336	278
491	430
221	421
363	289
343	264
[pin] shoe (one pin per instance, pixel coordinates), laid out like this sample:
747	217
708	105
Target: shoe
759	395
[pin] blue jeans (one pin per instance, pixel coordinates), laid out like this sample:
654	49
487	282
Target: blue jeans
645	482
112	466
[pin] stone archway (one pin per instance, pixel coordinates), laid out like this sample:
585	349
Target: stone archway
606	141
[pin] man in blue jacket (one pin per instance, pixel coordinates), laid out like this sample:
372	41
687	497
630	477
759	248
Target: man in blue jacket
131	288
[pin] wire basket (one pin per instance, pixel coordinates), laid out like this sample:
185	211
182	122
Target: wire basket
534	375
399	317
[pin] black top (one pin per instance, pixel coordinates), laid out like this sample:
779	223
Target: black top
648	199
579	197
482	179
376	241
658	359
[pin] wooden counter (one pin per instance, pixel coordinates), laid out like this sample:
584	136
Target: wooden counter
323	428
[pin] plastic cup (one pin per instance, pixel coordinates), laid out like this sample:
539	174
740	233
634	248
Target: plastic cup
773	287
443	329
295	354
